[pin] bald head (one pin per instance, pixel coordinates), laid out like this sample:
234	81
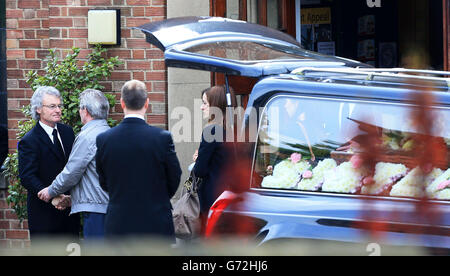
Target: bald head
134	94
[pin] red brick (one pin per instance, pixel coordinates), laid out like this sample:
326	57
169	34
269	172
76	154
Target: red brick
59	2
14	13
78	11
15	225
139	11
138	54
157	119
158	2
155	76
159	86
3	204
120	76
15	74
138	65
42	13
30	24
55	11
28	4
14	33
9	214
157	97
134	22
78	33
14	53
139	75
61	43
158	65
31	43
99	2
137	43
11	64
154	11
61	22
42	34
138	2
17	234
30	34
30	64
154	54
45	24
122	54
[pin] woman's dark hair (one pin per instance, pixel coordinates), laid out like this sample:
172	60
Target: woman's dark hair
216	96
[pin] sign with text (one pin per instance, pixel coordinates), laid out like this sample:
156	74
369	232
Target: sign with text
316	16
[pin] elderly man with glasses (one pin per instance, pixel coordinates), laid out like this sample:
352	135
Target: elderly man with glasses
43	153
79	175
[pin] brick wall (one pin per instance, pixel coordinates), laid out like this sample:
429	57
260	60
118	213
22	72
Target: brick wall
35	26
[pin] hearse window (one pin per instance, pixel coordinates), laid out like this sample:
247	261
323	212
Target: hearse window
243	51
313	144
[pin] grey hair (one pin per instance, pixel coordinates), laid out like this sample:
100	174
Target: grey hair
95	103
38	96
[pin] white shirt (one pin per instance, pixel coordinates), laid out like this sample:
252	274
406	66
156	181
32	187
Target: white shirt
49	131
134	116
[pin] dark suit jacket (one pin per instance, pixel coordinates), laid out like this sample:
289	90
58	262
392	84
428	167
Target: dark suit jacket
138	167
209	166
39	164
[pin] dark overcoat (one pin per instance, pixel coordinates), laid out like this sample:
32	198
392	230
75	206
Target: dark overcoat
138	167
39	164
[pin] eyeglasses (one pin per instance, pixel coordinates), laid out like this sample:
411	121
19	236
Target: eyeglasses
54	106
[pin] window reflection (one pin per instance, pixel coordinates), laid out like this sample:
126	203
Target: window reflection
243	51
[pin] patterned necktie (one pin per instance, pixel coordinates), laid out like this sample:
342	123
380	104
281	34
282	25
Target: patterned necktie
56	142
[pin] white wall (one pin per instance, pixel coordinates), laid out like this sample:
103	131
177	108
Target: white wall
185	85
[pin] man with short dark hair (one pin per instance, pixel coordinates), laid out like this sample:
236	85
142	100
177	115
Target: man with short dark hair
43	153
138	167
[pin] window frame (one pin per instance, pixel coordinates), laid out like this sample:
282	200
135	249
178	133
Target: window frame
304	95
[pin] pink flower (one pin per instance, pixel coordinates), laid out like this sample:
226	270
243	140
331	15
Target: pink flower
444	185
356	161
295	157
307	174
269	168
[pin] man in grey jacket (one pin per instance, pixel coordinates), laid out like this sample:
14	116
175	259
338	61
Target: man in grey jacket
80	175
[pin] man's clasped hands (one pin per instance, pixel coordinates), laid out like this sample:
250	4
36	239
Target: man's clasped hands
60	202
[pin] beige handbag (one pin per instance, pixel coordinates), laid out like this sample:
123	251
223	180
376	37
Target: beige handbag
186	210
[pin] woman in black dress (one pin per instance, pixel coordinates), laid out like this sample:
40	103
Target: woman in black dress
212	155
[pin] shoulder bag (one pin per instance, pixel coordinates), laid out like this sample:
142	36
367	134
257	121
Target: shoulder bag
186	210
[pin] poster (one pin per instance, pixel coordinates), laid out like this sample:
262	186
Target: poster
366	25
387	57
366	49
326	48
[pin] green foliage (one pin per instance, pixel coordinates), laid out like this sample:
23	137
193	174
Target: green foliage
66	76
70	79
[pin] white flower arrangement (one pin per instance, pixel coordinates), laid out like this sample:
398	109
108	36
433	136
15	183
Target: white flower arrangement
412	185
315	182
343	179
386	174
440	187
287	173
